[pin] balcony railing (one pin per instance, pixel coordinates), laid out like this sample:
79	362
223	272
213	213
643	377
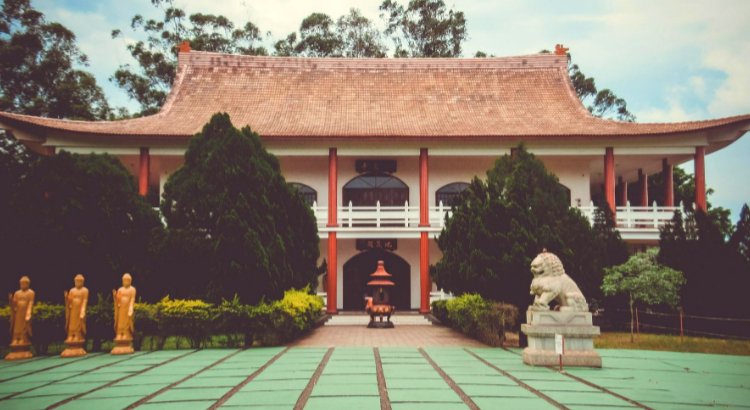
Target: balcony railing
638	222
393	217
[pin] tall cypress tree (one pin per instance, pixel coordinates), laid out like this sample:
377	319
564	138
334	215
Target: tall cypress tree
498	227
230	193
740	241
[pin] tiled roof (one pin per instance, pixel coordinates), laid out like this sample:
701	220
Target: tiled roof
280	97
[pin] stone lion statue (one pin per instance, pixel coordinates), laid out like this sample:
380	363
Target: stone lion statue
551	283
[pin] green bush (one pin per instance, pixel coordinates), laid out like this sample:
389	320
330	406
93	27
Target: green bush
283	320
471	314
193	321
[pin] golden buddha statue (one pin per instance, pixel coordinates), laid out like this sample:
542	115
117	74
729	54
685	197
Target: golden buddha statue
75	319
21	306
124	303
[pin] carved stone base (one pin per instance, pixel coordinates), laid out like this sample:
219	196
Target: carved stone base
19	352
122	346
74	349
380	325
541	328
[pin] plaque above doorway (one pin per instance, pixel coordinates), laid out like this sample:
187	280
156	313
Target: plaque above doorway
375	165
370	244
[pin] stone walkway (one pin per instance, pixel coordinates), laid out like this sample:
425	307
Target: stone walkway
328	336
367	378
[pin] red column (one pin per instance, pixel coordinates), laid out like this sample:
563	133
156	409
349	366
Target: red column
424	241
700	178
623	193
668	182
49	150
609	178
332	223
143	173
643	188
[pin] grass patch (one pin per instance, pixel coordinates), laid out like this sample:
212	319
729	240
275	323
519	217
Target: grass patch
614	340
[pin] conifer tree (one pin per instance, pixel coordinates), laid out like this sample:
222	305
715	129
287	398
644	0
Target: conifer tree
230	193
740	241
498	227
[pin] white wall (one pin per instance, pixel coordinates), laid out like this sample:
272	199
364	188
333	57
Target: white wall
573	173
311	171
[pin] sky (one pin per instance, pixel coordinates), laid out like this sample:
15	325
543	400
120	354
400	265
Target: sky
671	60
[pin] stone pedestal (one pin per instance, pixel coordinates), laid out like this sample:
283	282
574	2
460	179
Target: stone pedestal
380	325
541	328
19	351
74	349
122	346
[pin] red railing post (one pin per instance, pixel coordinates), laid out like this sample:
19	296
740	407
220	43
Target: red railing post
637	324
682	333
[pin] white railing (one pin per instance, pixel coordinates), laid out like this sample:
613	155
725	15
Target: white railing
377	216
637	217
439	295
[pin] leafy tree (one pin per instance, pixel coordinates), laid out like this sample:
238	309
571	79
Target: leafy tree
498	227
740	241
79	214
150	83
604	225
261	234
360	37
318	37
644	280
38	74
424	28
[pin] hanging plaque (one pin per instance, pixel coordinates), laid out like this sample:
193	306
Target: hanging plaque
370	244
375	165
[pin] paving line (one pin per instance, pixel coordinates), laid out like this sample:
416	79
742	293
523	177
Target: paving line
385	401
588	383
78	396
20	362
152	395
75	375
250	378
519	382
52	367
302	400
465	397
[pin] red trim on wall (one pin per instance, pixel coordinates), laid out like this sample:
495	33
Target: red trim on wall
424	196
700	178
609	178
333	188
332	280
143	172
667	172
424	273
643	188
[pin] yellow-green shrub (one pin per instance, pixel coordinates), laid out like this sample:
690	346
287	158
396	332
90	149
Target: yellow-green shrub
471	314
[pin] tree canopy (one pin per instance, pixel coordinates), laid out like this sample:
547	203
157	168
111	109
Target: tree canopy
39	72
644	280
76	214
424	28
498	227
229	195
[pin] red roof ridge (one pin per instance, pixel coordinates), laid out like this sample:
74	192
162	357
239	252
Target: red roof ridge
203	58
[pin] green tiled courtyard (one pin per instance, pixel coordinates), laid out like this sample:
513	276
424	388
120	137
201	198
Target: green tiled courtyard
366	378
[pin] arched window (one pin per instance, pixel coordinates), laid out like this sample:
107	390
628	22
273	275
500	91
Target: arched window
448	192
308	193
565	190
368	189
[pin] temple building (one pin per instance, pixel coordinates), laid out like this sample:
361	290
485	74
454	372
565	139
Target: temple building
378	147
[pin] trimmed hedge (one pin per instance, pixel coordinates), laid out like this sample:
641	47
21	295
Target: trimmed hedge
485	320
192	321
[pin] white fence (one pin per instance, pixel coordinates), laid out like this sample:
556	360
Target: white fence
381	216
638	217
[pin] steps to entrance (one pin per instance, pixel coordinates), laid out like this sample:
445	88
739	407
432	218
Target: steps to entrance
361	319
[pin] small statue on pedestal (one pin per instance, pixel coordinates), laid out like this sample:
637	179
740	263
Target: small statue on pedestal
124	299
21	306
571	318
75	319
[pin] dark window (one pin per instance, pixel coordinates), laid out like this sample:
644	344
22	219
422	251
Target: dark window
308	193
565	190
367	190
448	192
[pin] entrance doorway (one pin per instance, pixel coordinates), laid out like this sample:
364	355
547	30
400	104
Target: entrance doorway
357	272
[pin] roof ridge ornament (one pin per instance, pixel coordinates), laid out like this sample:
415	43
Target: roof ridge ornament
560	50
184	47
